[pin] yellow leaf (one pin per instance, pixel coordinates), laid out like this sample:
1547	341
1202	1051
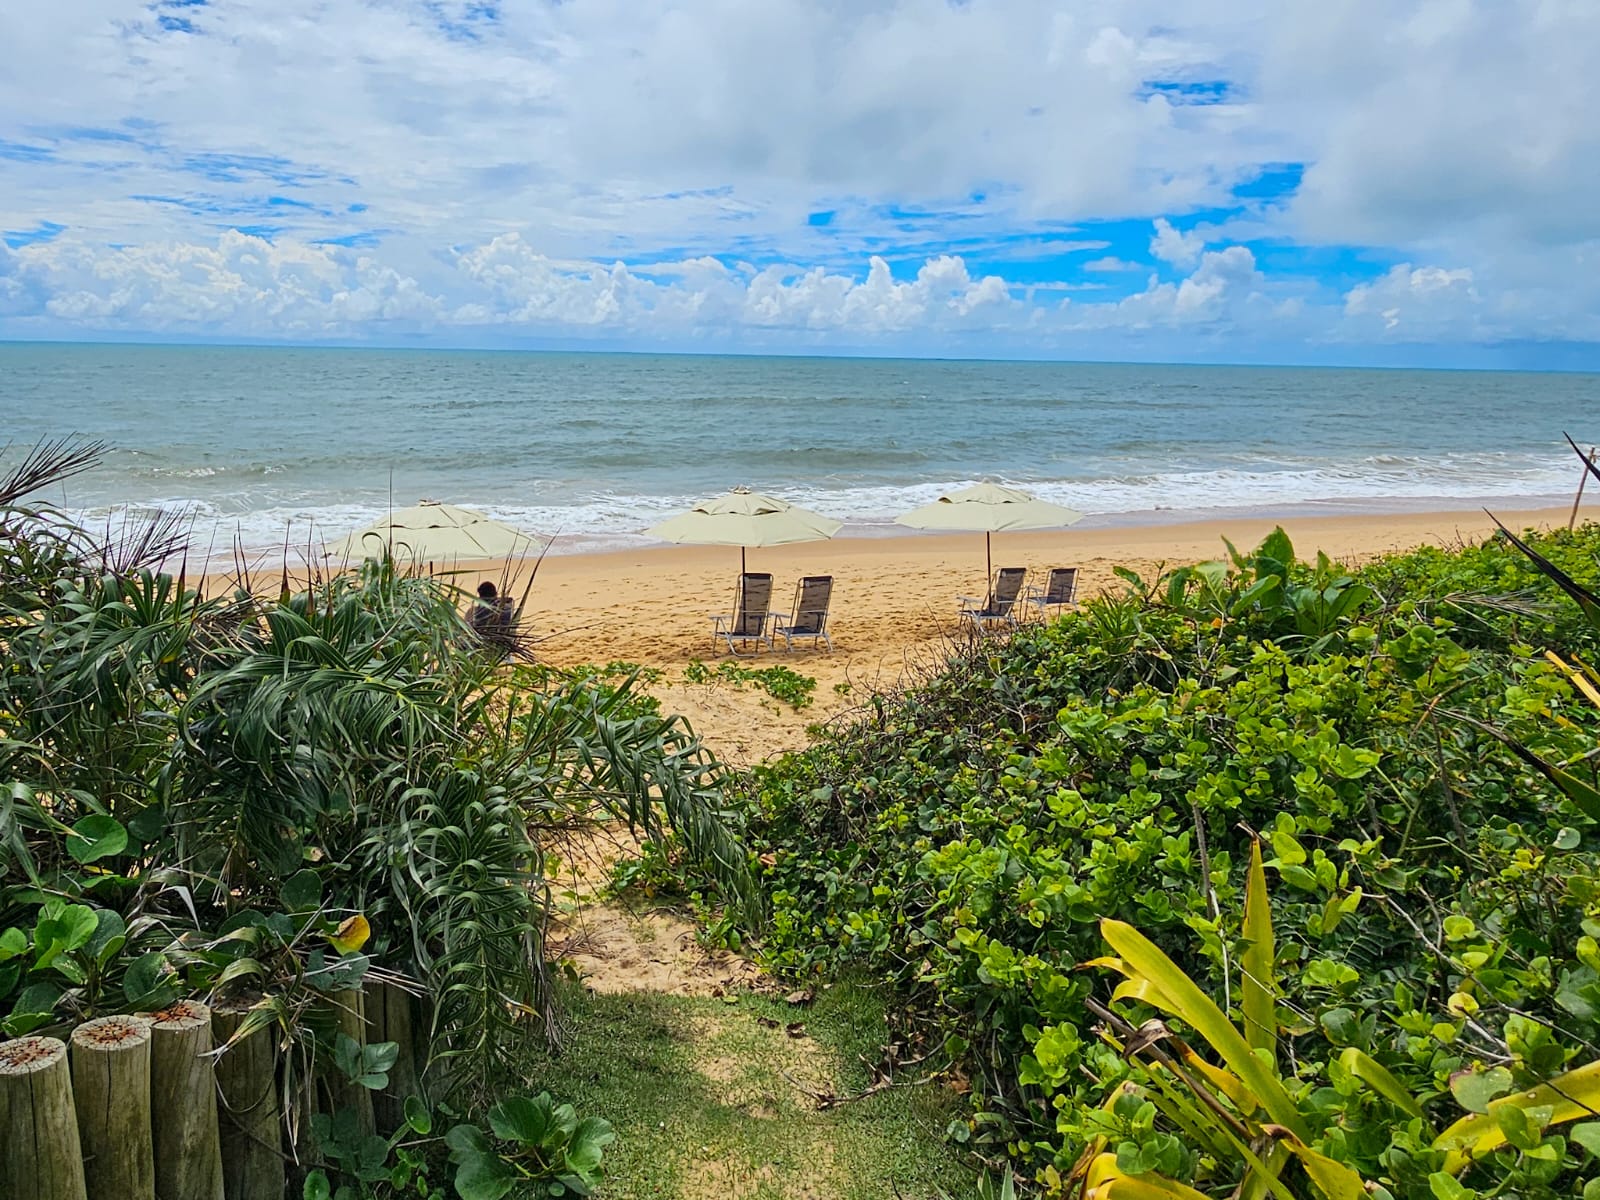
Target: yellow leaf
1224	1081
1101	1171
1256	988
1335	1180
1178	994
1570	1096
1133	989
351	935
1149	1187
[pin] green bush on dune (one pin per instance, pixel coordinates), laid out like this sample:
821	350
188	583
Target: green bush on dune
1434	896
273	799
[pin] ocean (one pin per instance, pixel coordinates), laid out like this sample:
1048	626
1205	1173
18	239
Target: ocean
264	443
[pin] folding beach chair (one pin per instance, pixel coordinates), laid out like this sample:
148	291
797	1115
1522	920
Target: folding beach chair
750	616
1001	603
1060	591
810	616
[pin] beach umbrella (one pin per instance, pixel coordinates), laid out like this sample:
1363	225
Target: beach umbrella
988	508
744	518
430	531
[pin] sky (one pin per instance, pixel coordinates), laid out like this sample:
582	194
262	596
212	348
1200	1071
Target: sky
1379	182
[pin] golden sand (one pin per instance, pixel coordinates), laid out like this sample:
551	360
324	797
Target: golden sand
895	601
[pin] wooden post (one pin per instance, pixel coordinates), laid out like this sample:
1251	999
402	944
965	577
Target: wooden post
183	1104
247	1087
111	1088
40	1158
349	1009
389	1020
1582	480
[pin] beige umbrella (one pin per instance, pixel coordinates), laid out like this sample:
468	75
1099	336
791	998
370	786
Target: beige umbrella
989	509
430	531
744	518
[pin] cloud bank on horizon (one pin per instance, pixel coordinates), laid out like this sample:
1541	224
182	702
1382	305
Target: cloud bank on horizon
1361	180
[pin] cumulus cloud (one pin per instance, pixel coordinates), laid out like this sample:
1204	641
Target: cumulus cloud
1415	303
1171	246
1216	295
238	284
861	171
245	284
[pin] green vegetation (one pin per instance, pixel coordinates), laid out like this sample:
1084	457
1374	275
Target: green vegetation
781	683
1263	878
707	1099
1391	739
274	800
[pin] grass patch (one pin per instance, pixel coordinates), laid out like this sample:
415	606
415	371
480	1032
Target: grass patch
707	1100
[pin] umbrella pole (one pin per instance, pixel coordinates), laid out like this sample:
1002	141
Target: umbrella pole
988	559
741	560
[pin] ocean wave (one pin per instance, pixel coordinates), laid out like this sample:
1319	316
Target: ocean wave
587	519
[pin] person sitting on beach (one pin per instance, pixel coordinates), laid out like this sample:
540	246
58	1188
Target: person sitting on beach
492	614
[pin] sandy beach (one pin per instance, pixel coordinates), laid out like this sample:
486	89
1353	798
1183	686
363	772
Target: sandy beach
894	603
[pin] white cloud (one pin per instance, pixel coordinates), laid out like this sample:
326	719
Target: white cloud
1442	121
1216	295
246	285
1110	264
1171	246
1415	303
604	166
240	284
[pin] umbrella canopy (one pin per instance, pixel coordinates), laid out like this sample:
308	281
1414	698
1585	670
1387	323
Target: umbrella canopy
988	508
744	518
429	531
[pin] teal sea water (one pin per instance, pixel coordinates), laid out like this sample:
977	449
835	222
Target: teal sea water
257	441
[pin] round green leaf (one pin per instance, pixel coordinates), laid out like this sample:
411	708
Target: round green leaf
418	1117
302	891
1474	1089
95	837
1587	1135
483	1177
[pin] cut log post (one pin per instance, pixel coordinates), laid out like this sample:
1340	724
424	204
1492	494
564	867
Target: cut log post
349	1009
248	1117
389	1019
40	1156
111	1089
183	1103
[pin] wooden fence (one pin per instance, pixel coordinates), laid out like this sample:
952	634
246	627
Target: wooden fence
148	1107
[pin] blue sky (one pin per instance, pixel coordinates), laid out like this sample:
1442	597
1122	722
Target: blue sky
1365	181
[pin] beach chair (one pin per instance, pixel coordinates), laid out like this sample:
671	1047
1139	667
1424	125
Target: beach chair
810	616
1060	591
750	617
1000	606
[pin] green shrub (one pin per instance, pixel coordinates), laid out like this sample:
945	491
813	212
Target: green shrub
1435	896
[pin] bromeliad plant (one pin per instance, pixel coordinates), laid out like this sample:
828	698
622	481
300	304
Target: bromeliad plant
1239	1118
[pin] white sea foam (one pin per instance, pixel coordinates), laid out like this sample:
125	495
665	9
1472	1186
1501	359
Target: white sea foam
1375	484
